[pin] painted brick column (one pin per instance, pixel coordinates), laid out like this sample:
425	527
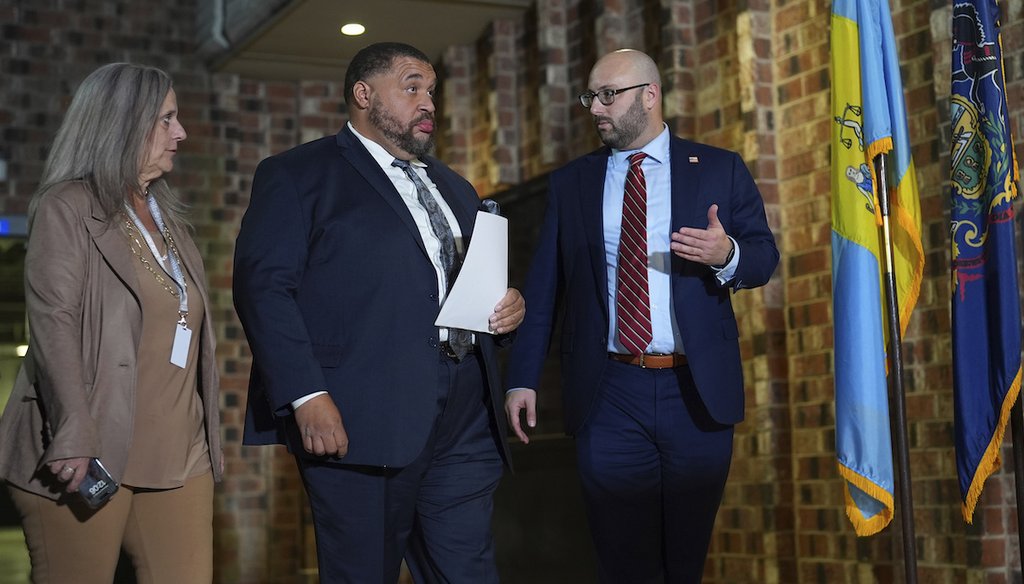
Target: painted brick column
555	93
456	110
504	168
620	25
678	62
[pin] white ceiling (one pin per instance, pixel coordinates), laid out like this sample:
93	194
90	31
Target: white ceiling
304	41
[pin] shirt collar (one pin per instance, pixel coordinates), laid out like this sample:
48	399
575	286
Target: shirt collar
382	156
656	149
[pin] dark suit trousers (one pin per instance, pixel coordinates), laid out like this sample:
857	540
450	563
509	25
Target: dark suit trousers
653	466
436	512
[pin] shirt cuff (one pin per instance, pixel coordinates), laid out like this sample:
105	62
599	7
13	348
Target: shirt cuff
518	389
305	398
728	271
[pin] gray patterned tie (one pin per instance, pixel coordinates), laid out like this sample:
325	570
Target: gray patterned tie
460	340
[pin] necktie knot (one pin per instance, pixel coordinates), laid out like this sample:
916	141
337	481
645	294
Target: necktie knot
410	171
636	158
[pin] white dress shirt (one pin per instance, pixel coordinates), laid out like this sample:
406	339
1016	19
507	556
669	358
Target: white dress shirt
407	189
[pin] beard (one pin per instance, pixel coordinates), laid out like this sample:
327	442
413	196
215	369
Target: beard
392	129
627	128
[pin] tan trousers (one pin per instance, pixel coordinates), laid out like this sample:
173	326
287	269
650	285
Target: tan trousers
168	534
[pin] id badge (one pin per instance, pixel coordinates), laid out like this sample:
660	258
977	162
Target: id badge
179	350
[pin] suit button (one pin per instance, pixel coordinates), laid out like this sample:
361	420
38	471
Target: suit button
433	297
432	342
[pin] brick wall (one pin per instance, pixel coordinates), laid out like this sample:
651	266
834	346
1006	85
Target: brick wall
823	541
749	75
260	502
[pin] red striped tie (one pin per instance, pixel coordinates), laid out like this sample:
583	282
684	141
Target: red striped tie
632	301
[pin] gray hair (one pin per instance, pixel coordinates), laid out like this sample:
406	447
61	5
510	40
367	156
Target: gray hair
104	138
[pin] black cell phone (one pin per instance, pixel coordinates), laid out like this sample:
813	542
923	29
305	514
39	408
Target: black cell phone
98	486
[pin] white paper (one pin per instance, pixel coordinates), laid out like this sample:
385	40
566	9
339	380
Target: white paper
483	279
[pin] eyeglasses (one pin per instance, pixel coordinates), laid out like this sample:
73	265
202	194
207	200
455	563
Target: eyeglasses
605	96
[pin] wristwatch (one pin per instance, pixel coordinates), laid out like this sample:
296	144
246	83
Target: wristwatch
728	258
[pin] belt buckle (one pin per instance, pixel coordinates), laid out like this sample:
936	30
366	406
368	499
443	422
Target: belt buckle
642	364
447	351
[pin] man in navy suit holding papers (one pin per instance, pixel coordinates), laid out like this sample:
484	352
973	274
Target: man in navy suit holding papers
346	252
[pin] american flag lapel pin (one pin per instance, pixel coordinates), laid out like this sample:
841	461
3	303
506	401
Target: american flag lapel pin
694	160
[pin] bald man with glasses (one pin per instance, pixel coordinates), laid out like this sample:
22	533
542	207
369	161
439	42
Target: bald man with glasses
642	244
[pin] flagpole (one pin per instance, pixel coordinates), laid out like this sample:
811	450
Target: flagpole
902	454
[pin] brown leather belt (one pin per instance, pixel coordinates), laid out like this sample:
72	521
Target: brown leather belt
649	361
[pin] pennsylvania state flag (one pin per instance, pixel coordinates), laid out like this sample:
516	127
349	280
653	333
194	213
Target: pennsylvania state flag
869	118
986	304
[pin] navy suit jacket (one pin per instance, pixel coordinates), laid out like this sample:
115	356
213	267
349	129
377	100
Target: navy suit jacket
335	290
568	278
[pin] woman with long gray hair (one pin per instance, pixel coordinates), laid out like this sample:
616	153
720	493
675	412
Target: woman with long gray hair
111	435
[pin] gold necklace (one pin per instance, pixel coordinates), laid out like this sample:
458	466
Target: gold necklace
136	246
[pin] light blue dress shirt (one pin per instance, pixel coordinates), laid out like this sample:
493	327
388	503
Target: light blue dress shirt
657	169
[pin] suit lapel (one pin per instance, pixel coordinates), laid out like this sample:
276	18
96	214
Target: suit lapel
688	210
591	199
686	191
113	245
360	159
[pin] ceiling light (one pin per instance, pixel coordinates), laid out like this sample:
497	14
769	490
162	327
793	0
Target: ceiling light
21	350
353	29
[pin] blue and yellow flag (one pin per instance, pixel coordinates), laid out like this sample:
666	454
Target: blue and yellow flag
986	300
869	119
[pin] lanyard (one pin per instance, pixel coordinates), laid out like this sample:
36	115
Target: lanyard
175	272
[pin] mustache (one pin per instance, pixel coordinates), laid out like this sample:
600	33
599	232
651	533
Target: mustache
422	118
599	119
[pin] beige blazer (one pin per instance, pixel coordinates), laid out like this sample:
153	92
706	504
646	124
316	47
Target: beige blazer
74	395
